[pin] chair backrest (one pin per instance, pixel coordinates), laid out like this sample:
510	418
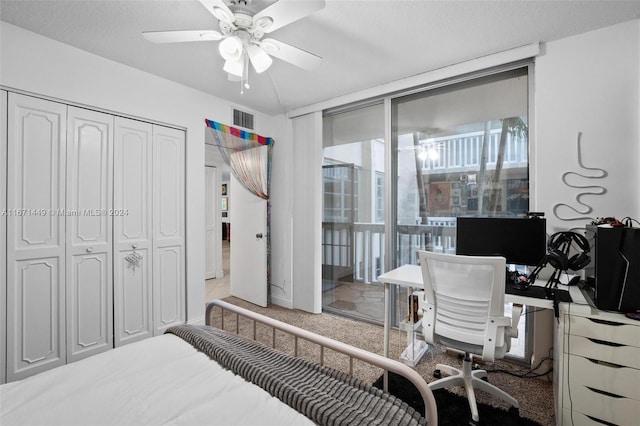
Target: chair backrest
463	305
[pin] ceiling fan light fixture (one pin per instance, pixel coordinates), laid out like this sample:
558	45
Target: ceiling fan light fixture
259	58
235	67
231	48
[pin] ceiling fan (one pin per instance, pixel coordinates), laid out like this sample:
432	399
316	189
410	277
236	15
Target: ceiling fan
242	28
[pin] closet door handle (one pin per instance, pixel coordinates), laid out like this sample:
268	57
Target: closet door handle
89	249
259	235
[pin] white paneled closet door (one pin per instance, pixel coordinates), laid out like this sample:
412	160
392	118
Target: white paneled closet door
132	231
89	233
168	228
35	235
3	234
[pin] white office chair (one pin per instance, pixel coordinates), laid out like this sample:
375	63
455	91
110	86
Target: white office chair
463	309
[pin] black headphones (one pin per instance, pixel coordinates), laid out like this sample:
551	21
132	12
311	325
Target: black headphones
559	247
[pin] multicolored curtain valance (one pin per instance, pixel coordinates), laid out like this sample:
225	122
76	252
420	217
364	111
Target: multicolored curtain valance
247	154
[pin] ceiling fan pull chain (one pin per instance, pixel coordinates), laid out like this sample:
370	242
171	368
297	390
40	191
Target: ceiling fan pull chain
245	72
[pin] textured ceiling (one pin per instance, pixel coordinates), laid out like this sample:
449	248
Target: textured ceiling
363	43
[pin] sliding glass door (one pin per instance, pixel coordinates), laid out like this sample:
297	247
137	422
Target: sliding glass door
353	212
460	150
395	182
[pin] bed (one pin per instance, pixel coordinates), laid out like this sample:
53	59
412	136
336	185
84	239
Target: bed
195	375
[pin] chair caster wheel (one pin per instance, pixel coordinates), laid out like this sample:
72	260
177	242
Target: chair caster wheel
437	374
485	378
514	411
474	423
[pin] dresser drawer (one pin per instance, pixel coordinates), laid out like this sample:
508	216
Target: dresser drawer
626	356
621	381
617	410
573	418
614	332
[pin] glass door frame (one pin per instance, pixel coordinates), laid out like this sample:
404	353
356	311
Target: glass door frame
391	172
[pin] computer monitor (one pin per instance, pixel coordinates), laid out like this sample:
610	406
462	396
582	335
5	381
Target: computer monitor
522	241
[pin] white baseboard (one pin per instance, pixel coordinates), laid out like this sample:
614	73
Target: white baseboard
280	301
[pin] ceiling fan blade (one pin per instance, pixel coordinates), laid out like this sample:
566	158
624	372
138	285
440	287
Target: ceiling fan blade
220	10
298	57
181	36
284	12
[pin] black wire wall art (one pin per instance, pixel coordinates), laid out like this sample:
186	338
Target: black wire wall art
584	210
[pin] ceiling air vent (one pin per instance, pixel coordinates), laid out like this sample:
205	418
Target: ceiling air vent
242	119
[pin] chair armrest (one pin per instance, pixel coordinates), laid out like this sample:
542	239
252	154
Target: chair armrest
516	313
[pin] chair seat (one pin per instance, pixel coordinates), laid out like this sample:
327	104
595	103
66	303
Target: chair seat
500	351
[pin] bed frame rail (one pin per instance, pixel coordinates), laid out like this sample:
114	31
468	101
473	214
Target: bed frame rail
352	352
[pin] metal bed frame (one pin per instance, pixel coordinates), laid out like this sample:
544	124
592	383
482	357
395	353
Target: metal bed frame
352	352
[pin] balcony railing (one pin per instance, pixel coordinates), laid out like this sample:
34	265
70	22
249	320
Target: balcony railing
356	252
464	152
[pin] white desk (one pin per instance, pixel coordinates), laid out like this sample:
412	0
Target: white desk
568	405
411	276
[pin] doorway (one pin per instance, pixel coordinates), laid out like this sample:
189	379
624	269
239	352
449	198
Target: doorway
217	261
219	288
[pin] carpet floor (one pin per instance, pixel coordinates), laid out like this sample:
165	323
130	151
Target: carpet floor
535	395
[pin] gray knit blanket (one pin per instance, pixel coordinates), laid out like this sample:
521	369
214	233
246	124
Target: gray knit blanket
324	395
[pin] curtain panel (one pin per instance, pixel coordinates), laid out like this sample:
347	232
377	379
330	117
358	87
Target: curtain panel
247	154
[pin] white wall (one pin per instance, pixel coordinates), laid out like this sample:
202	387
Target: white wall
588	83
43	66
281	225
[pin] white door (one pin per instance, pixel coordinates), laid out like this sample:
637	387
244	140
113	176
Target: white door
212	221
168	228
3	235
132	231
35	236
89	233
248	263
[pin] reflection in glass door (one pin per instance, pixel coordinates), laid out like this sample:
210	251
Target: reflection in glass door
353	213
460	150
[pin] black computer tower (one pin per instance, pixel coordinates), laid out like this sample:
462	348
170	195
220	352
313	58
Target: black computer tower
614	271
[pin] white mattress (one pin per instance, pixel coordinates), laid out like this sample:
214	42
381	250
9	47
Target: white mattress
162	380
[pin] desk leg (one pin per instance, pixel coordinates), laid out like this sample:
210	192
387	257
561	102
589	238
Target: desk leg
387	328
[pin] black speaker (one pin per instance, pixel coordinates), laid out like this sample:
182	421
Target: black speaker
614	273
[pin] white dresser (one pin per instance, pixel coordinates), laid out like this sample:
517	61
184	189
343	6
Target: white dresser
598	361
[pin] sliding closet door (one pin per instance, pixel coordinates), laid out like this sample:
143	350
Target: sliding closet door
168	228
35	236
3	234
89	233
132	231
